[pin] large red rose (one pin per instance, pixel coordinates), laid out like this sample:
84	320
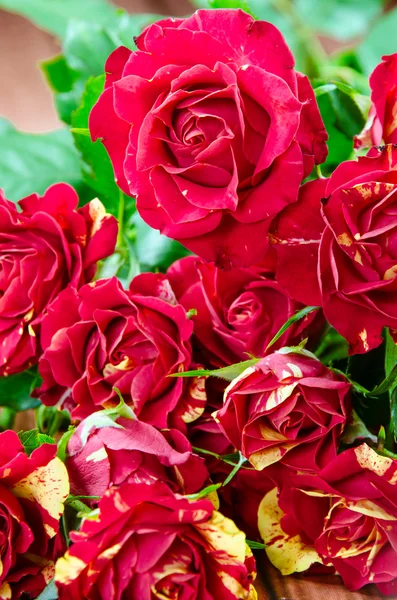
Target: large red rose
212	129
32	492
382	119
345	259
238	311
131	451
103	337
344	516
289	408
150	543
44	247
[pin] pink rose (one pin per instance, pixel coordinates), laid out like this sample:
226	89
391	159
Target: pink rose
103	337
148	542
212	129
289	408
131	451
345	258
45	247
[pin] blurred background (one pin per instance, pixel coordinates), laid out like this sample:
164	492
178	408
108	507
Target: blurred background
25	97
355	33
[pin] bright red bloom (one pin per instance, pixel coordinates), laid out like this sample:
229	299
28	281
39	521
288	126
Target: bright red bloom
104	337
288	408
148	542
238	311
212	129
44	248
344	516
32	492
382	119
345	258
131	451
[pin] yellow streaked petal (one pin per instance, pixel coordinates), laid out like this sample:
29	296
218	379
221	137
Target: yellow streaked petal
68	568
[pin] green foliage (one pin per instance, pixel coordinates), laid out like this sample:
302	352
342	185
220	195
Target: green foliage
86	47
380	40
15	390
32	162
344	112
229	373
54	15
34	439
300	314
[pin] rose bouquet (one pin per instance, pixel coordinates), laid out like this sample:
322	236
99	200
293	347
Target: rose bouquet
206	323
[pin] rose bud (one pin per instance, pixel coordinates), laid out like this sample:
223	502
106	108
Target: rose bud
345	516
381	124
32	492
148	542
345	258
289	408
212	130
131	451
44	247
103	340
238	311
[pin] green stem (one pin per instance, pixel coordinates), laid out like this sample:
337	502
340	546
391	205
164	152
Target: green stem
120	218
316	54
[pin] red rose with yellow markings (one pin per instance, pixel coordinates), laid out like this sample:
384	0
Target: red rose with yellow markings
345	516
290	408
382	119
212	129
45	247
238	311
103	337
131	451
32	492
345	259
147	542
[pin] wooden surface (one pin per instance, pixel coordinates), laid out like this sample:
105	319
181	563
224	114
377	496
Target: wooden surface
27	102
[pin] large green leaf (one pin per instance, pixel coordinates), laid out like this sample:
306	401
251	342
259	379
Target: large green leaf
85	49
344	112
31	162
97	170
53	15
380	40
15	390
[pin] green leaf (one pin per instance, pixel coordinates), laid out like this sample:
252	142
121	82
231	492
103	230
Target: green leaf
229	373
32	162
97	170
380	40
344	112
255	545
390	352
340	19
85	50
208	490
237	467
34	439
333	347
296	317
153	250
63	443
356	430
106	418
54	15
50	592
15	390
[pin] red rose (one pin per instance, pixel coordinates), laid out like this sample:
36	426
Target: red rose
131	451
381	124
104	337
238	311
210	127
345	516
148	542
46	246
346	259
32	492
288	408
